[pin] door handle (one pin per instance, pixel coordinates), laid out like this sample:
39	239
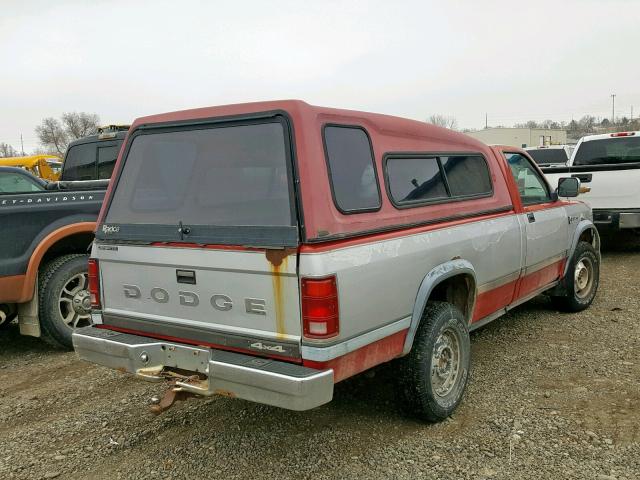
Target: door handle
531	217
186	276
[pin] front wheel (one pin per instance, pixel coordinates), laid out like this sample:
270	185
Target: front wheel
433	376
64	300
581	280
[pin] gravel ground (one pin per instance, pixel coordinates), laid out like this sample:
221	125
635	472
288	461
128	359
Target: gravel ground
552	396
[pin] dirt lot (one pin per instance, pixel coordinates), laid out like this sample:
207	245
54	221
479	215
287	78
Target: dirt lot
551	396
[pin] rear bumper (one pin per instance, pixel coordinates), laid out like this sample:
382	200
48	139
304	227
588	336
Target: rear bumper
616	219
225	373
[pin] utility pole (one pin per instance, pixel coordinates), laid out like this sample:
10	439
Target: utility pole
21	145
631	112
486	120
613	108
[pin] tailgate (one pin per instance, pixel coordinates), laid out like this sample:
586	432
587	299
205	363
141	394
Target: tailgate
244	298
200	235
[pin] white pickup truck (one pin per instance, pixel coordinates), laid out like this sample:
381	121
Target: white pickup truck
609	164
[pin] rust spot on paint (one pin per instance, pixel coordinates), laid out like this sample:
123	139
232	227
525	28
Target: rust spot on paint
275	256
278	262
224	393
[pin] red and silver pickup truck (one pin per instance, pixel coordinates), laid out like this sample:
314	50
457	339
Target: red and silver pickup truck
267	251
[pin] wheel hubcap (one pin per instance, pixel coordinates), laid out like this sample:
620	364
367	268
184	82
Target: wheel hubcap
445	363
583	277
74	302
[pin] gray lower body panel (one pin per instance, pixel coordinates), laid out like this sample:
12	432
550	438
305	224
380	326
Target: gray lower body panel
261	380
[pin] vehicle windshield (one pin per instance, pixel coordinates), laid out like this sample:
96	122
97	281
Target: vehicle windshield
548	156
608	151
231	176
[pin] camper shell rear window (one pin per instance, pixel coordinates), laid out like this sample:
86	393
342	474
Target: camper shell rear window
221	183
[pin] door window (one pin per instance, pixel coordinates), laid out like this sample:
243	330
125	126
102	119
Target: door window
532	187
16	183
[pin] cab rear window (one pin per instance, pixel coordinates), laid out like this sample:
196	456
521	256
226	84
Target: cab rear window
80	162
549	156
233	176
608	151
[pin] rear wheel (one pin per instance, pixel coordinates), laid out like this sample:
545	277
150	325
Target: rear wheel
433	376
581	281
64	300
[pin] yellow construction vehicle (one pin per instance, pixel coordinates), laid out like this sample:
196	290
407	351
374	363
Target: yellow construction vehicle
43	166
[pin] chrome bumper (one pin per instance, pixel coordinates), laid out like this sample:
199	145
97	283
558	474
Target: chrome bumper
261	380
616	219
630	220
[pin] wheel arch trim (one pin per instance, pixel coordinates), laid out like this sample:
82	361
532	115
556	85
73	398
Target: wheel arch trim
582	227
436	276
28	285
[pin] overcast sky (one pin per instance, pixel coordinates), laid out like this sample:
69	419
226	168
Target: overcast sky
123	59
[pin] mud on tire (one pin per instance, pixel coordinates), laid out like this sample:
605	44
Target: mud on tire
62	286
433	376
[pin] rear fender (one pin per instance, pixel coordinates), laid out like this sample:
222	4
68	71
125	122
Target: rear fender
25	291
431	280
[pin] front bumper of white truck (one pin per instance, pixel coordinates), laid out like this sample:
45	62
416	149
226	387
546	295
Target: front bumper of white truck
207	371
616	219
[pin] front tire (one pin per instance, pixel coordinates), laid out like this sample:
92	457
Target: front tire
64	303
581	281
433	376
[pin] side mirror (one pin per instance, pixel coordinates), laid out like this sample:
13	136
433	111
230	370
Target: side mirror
568	187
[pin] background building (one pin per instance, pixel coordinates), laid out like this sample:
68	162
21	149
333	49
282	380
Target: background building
521	137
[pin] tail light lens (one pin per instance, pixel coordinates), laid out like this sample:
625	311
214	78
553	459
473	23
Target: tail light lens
94	283
320	316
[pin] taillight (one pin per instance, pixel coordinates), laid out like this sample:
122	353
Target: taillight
94	283
623	134
320	316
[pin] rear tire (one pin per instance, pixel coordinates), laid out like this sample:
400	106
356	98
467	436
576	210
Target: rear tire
433	376
63	299
581	281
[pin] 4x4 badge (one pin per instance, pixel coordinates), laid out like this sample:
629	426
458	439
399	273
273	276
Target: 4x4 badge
271	348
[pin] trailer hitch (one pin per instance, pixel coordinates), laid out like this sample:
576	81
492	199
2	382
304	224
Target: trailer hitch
175	392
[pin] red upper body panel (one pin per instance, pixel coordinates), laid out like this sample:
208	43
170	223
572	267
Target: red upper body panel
322	220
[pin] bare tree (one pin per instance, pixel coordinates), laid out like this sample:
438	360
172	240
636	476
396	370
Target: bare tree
446	121
80	124
7	150
529	124
586	124
55	135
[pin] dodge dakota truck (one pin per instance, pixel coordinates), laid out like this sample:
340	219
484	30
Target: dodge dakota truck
266	251
47	228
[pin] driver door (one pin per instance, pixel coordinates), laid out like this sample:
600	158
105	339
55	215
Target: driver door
544	226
